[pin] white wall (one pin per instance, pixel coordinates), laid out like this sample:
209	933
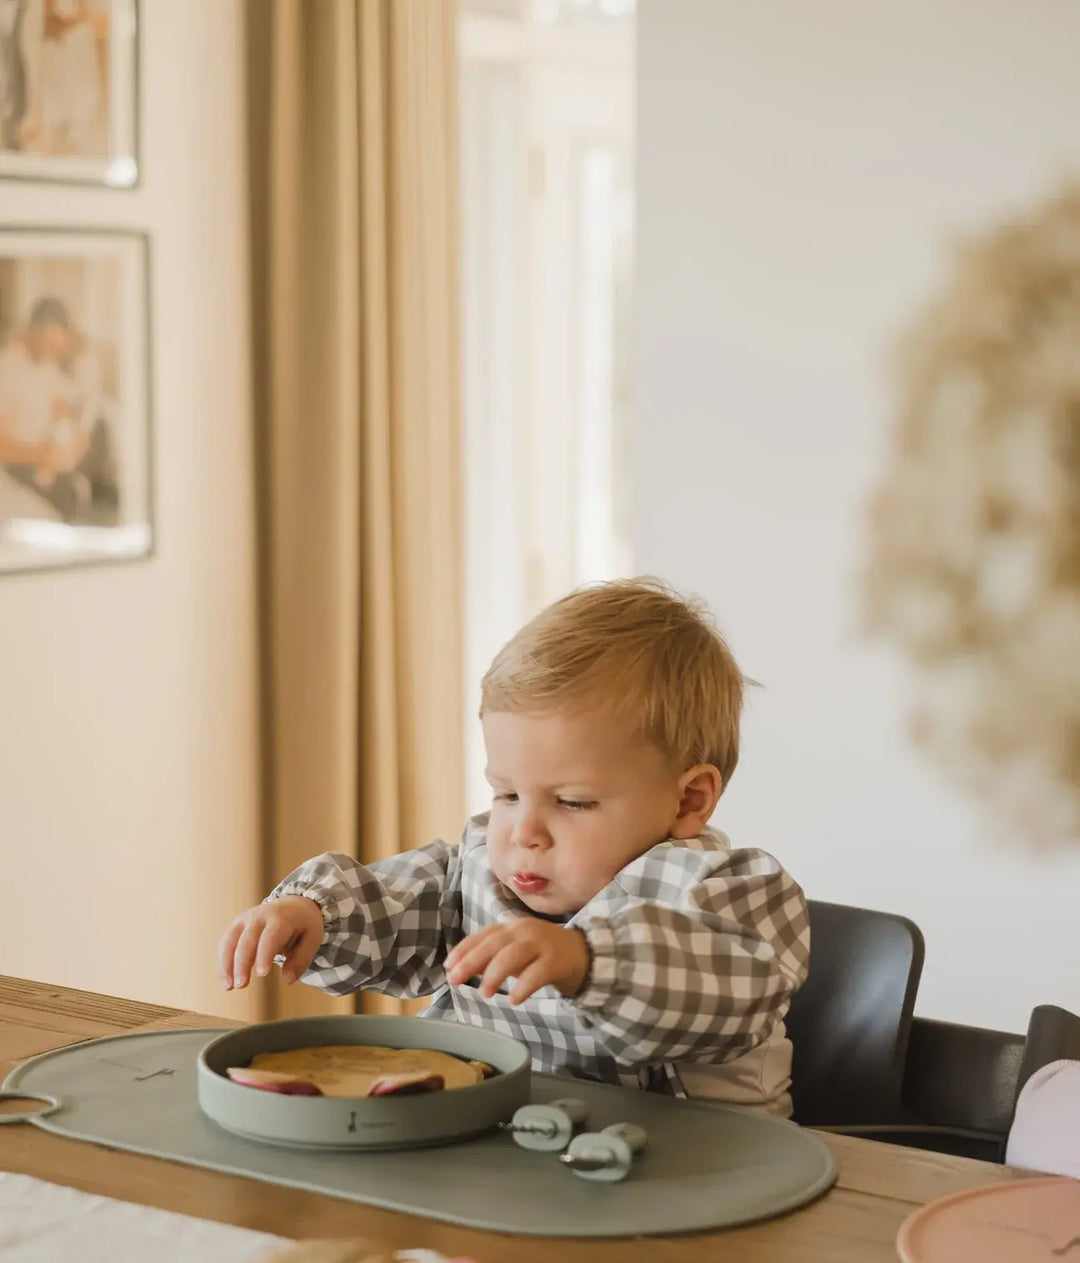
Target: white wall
128	755
801	167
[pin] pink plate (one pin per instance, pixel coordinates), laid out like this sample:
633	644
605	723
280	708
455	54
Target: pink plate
1026	1221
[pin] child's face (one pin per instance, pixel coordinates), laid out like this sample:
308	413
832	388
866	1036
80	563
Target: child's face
574	800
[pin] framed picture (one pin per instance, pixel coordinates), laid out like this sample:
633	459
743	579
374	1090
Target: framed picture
68	90
74	398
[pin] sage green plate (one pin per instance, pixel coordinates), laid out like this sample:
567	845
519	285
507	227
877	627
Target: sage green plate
386	1122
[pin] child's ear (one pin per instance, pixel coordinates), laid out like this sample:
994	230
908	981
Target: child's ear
699	792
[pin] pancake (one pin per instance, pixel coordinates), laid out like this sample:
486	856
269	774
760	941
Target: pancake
354	1069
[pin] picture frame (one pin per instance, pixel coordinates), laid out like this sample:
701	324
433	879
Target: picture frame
69	78
75	399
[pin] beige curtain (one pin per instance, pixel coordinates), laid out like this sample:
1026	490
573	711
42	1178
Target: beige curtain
353	130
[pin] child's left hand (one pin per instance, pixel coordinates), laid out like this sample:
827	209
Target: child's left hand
536	953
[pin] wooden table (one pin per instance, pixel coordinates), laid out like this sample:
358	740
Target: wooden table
879	1184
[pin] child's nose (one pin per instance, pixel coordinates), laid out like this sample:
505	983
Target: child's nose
530	832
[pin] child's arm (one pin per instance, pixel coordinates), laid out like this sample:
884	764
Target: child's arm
384	925
708	970
698	955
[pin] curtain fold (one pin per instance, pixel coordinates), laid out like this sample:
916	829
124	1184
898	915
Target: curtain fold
353	129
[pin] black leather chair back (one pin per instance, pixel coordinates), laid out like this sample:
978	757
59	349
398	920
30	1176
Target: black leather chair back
850	1021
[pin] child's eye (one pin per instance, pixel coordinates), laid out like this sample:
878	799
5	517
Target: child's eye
572	805
506	798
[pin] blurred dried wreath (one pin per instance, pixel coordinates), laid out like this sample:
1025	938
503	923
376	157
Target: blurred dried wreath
974	566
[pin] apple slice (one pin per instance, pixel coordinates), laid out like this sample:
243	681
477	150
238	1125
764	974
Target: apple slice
407	1084
272	1081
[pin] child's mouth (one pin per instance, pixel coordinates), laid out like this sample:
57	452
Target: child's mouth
530	883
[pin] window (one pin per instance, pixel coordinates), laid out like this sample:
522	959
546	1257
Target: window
547	114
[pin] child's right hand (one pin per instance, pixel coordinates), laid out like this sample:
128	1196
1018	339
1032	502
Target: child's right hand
291	927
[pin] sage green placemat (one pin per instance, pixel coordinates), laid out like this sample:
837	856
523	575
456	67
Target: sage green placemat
706	1167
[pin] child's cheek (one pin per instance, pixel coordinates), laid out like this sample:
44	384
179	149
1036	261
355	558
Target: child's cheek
498	842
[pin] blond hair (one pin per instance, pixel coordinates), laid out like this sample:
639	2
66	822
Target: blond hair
638	649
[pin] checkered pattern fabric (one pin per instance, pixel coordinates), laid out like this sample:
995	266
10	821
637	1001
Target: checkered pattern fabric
696	950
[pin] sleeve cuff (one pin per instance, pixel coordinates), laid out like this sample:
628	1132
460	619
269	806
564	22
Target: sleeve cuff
600	983
318	897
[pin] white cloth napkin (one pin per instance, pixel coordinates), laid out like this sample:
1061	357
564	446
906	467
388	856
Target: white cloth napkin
1045	1134
48	1223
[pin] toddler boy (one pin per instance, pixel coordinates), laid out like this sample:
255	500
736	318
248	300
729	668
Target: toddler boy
592	913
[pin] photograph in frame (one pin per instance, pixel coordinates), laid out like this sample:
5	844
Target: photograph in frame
68	89
75	426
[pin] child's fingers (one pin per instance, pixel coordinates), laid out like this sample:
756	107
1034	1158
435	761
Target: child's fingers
300	955
474	959
226	950
508	962
537	975
471	941
278	936
246	947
